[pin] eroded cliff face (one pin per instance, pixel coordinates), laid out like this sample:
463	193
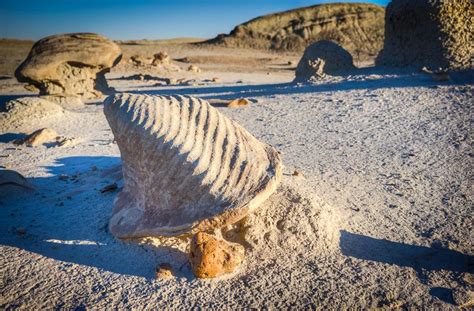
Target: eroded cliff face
357	27
428	33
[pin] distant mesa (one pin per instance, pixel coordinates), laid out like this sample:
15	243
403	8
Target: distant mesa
323	58
357	27
433	34
70	64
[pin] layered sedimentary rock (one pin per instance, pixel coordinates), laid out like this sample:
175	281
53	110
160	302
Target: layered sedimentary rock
429	33
70	64
358	27
186	166
321	58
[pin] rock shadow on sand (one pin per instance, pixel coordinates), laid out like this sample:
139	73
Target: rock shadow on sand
405	255
371	78
66	219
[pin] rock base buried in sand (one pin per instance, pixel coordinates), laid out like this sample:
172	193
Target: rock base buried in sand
186	166
211	257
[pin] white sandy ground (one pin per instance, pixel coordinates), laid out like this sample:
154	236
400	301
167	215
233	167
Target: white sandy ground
382	217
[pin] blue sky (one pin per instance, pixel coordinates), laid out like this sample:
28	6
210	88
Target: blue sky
136	19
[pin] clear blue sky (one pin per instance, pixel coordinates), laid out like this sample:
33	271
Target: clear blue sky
136	19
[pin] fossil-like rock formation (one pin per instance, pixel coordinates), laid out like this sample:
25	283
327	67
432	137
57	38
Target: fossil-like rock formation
186	166
211	257
357	27
70	64
429	33
321	58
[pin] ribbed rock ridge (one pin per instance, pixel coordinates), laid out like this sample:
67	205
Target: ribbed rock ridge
186	166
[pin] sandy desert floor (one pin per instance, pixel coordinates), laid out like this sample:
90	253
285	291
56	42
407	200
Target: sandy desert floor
381	216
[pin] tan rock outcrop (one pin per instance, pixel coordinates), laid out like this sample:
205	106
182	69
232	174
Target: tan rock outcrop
435	34
70	64
321	58
211	257
358	27
161	58
186	166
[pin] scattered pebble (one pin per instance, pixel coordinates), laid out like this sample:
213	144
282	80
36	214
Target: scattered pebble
194	68
171	81
63	177
297	173
238	102
109	188
67	142
164	271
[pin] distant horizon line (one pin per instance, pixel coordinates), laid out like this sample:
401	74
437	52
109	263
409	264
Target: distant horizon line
142	39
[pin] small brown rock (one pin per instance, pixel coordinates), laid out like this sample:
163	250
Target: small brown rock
184	60
63	177
238	102
171	81
109	188
194	68
67	142
211	257
297	173
215	80
164	271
